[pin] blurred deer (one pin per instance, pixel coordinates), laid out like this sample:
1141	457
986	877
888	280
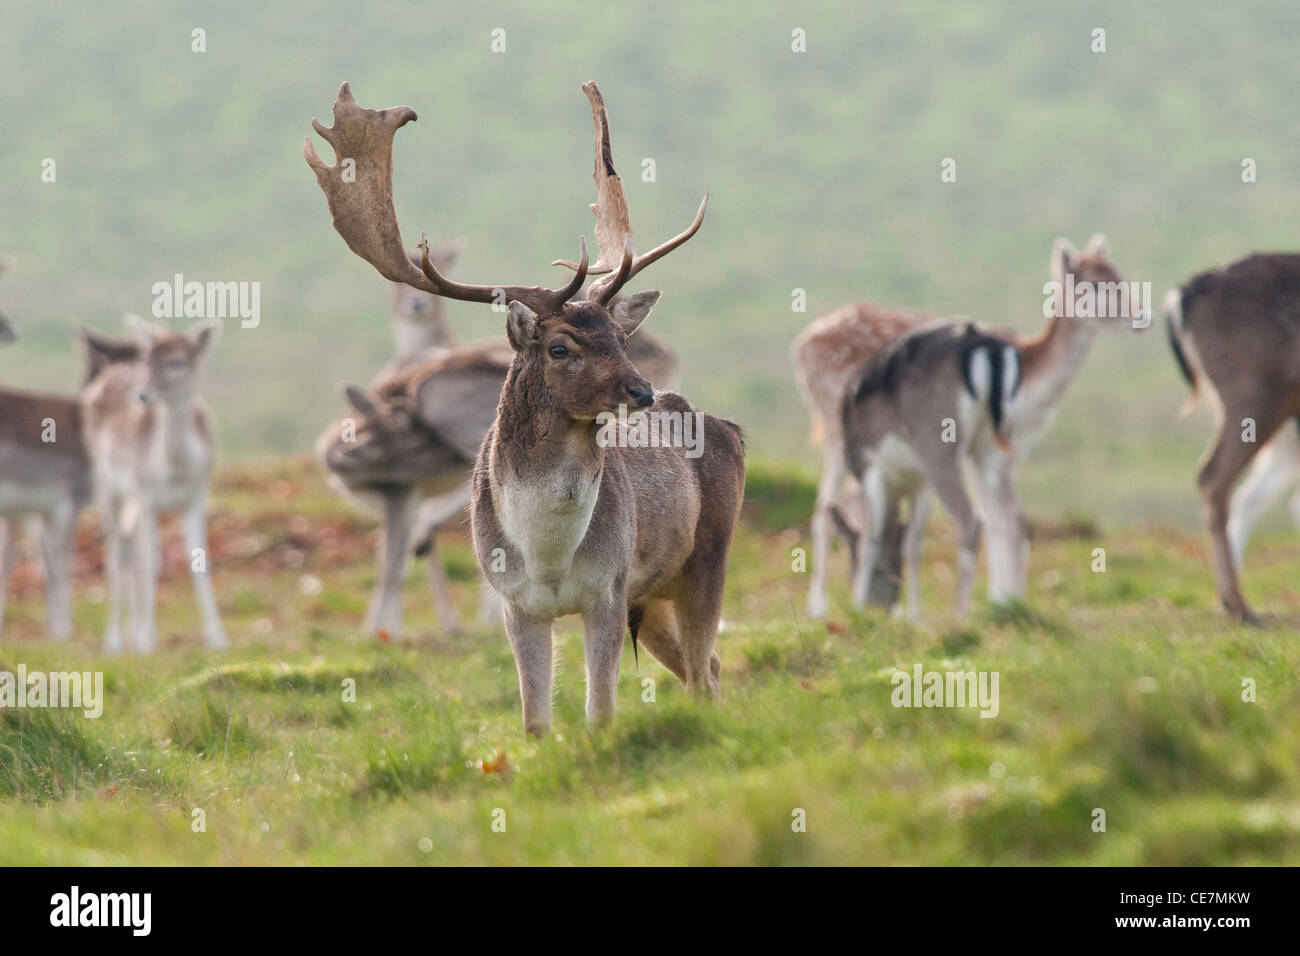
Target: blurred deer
410	440
150	442
830	356
7	331
562	522
1235	334
45	474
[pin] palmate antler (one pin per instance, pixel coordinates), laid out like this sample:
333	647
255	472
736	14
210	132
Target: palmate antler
613	221
360	197
359	190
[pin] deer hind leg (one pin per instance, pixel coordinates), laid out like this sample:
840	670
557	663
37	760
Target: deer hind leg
195	526
874	505
109	510
948	486
1275	469
658	634
833	470
385	613
1227	457
912	545
432	516
440	585
886	578
698	603
57	545
145	567
996	485
530	639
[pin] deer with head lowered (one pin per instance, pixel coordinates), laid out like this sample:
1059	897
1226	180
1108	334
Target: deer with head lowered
149	437
855	357
1235	334
564	522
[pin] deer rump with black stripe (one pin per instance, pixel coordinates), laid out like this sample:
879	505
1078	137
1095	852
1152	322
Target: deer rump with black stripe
929	400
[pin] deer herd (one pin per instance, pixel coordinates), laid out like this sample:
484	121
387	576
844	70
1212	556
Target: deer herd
632	538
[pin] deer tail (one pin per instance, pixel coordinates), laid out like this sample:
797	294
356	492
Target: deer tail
1173	309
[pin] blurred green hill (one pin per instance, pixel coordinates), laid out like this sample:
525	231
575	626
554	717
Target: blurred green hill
823	169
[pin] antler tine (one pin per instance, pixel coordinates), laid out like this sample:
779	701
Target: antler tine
604	291
613	221
540	300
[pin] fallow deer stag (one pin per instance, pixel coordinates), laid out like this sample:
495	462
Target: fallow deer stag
1235	333
150	442
44	473
564	522
829	357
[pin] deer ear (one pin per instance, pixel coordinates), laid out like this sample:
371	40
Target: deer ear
1065	259
631	310
363	400
144	331
1097	246
521	327
206	334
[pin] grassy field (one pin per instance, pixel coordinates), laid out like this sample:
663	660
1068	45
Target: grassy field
1119	690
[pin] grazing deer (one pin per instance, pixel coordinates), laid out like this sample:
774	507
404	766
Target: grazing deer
1235	333
829	357
564	522
149	437
414	437
44	473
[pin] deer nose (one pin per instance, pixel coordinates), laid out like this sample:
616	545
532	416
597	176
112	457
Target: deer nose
643	395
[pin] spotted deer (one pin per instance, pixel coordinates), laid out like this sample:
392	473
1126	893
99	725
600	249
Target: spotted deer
1235	334
150	443
45	475
829	357
563	522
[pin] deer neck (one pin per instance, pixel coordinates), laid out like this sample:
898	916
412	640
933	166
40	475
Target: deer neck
546	470
177	432
413	337
1051	362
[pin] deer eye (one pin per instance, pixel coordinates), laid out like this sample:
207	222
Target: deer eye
558	351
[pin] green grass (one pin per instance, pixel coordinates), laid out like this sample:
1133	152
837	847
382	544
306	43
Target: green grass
1120	691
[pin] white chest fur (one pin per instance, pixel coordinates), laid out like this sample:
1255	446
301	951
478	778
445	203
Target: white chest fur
546	518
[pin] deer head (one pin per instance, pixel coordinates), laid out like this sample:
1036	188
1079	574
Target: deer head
172	359
1093	267
571	354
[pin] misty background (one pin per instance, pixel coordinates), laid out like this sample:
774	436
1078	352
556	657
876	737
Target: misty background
823	169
